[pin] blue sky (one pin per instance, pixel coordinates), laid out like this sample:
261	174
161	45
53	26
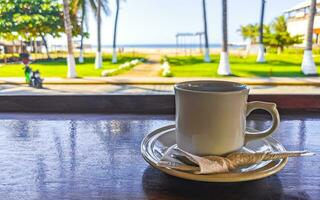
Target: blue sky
157	21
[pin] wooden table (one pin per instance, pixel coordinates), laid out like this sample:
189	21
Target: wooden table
68	156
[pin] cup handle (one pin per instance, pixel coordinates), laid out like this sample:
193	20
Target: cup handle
269	107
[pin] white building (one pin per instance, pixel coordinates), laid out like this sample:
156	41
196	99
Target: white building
297	19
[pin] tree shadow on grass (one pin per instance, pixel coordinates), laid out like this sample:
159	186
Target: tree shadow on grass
180	61
271	74
231	75
272	63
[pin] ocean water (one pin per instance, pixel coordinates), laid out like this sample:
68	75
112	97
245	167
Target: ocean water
151	46
170	46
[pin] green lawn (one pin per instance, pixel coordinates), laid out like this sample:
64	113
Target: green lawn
58	67
283	65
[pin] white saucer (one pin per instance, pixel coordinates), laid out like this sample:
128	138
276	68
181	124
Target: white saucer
157	142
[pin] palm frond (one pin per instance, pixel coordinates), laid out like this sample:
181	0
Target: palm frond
75	5
105	7
93	6
82	7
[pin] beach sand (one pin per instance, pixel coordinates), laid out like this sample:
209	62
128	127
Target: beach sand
170	51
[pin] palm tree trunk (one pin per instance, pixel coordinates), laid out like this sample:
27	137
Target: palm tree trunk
81	60
114	55
206	40
312	13
45	45
260	57
32	44
13	47
224	65
248	47
68	29
308	66
261	22
98	61
21	47
224	26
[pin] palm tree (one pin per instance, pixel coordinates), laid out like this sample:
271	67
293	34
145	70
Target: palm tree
249	32
260	57
82	7
114	46
83	16
68	29
207	51
98	61
308	66
224	65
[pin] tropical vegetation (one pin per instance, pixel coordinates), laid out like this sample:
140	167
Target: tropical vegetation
277	35
29	20
250	32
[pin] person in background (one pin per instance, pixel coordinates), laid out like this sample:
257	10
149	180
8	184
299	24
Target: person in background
27	68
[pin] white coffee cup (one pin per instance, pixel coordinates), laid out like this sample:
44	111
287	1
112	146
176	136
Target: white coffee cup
211	117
